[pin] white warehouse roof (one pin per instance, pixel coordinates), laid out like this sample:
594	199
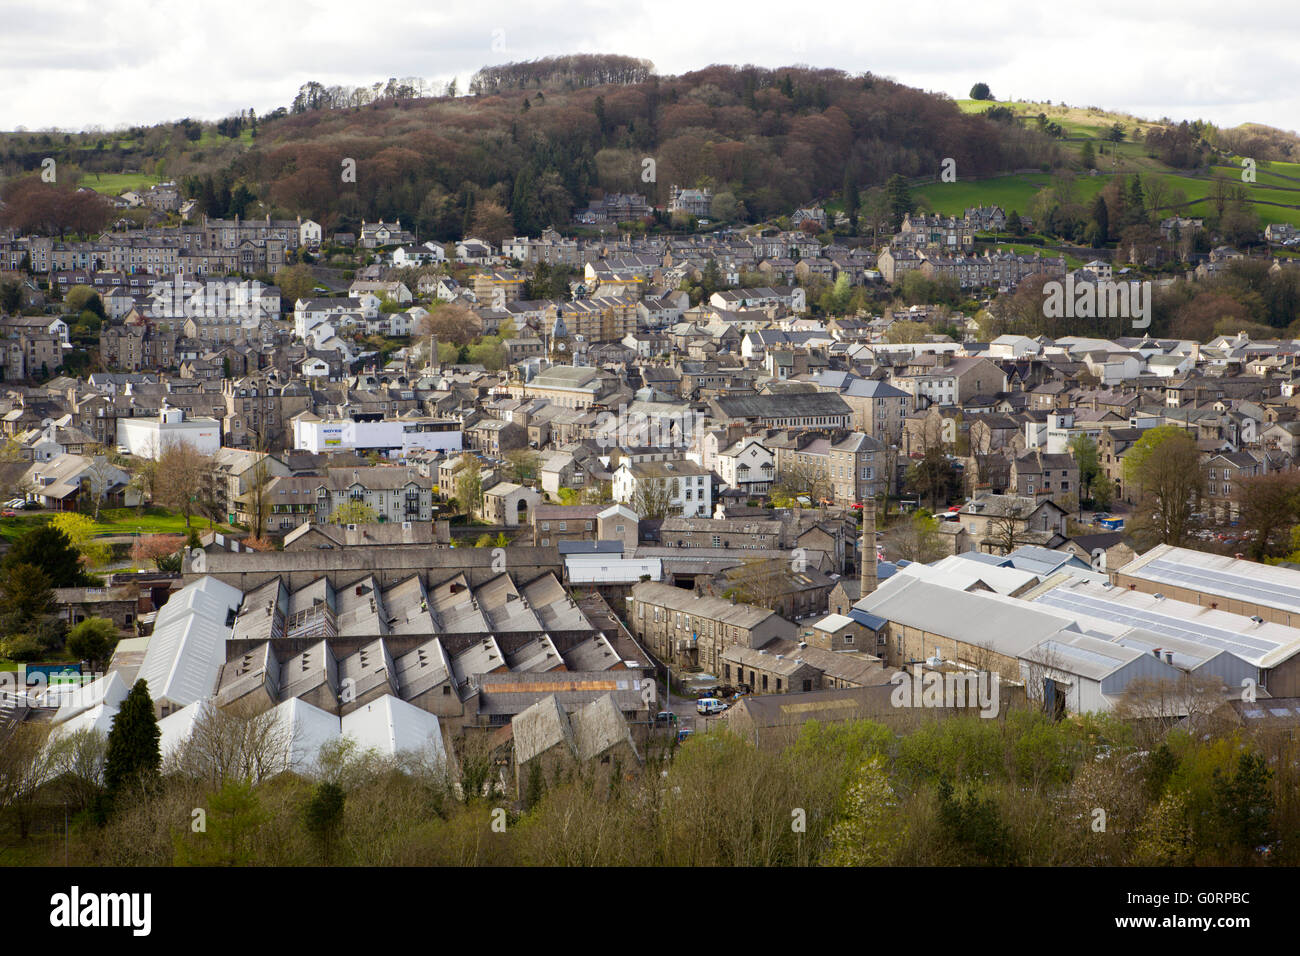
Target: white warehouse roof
189	642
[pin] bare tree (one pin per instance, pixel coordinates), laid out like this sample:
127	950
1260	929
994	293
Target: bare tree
1153	706
653	498
1007	531
99	477
761	582
25	763
234	744
259	506
803	478
184	480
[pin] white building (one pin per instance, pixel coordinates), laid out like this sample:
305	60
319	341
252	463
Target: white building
686	487
395	438
747	465
150	437
309	234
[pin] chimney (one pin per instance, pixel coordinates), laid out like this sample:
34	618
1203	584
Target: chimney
868	556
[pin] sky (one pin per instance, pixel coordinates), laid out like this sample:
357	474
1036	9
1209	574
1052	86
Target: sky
78	64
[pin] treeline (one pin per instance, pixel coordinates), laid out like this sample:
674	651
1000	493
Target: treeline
1021	790
1249	297
562	72
764	140
52	209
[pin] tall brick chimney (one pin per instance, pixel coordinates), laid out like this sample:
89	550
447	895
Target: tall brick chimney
868	555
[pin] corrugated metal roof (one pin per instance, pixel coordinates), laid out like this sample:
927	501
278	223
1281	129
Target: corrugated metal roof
189	642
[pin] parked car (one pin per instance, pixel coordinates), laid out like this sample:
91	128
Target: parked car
9	513
710	705
684	733
15	502
665	717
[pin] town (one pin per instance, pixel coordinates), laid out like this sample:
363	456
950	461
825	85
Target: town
898	508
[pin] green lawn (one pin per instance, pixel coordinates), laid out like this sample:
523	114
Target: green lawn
114	521
114	184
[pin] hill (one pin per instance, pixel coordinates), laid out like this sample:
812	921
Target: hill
541	142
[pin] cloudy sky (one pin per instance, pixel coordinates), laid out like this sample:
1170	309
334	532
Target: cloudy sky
82	63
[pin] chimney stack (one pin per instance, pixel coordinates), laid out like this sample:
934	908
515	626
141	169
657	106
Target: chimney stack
868	556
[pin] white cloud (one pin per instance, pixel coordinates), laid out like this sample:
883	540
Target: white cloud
109	62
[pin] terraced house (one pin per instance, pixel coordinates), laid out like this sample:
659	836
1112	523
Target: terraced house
394	494
692	630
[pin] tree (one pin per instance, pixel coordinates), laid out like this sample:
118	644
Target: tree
353	511
760	581
652	498
450	323
868	832
184	479
1165	469
916	537
973	824
1006	532
93	640
798	479
295	282
469	484
904	332
98	478
522	465
25	595
160	550
259	505
234	818
323	815
49	549
24	768
1088	155
133	757
1270	503
492	222
80	530
1084	450
1244	805
81	298
900	200
933	477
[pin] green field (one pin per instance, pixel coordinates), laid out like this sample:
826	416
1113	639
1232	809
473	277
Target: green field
1274	199
1013	192
114	184
114	521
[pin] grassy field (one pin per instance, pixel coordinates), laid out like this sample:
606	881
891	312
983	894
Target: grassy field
113	521
1013	192
1274	199
1075	120
114	184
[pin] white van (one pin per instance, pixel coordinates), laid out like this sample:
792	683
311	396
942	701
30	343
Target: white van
710	705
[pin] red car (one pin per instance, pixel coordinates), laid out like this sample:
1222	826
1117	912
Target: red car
9	513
